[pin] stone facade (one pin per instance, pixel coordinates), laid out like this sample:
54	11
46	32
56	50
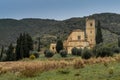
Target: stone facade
53	47
91	31
79	38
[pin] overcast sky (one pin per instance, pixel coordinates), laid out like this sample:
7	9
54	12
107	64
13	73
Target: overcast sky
56	9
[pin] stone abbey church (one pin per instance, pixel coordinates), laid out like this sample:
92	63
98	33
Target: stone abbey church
79	38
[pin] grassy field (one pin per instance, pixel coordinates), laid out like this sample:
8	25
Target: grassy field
90	72
71	68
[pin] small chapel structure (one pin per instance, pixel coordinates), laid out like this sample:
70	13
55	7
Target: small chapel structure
79	38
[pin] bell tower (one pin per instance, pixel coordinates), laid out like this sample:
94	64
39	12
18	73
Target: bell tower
90	31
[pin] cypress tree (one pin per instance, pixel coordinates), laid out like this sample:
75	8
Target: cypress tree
39	43
19	55
10	54
18	50
99	37
1	54
118	41
59	46
24	45
29	42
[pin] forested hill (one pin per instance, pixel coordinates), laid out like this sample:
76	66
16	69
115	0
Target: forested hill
49	30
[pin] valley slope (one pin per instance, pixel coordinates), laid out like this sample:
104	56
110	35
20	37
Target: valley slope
49	29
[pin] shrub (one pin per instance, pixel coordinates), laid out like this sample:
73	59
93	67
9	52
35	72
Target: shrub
94	50
105	64
4	57
86	54
35	53
77	74
32	57
48	53
63	53
79	52
76	51
104	52
116	50
111	70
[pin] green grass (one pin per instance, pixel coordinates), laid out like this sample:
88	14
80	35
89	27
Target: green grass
90	72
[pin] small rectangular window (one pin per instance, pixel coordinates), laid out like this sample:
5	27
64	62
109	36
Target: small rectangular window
53	48
91	24
79	37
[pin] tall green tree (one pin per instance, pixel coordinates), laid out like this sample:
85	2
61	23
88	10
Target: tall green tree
10	53
39	44
1	54
118	41
29	42
59	46
99	37
24	45
19	50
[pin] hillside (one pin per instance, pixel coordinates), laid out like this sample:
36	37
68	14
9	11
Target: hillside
49	30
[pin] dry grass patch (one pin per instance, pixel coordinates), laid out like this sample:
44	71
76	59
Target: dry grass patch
31	68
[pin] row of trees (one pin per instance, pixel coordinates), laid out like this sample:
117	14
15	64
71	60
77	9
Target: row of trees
97	51
20	51
24	45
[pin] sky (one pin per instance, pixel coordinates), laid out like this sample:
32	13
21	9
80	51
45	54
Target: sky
56	9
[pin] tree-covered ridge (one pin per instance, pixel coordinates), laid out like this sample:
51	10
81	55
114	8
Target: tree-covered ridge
49	30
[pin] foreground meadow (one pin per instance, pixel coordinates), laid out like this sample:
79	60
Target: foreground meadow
75	68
